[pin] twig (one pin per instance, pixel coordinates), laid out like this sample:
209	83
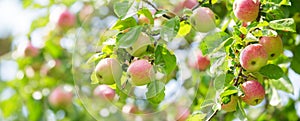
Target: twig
199	4
215	113
238	77
152	5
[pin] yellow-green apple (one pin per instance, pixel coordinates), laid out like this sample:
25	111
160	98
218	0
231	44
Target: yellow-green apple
246	10
253	57
108	71
273	46
60	97
141	72
66	19
230	105
203	19
254	92
104	92
140	45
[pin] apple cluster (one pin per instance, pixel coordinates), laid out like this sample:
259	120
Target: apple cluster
252	57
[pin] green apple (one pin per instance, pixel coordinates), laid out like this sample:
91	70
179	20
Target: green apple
203	19
108	71
140	45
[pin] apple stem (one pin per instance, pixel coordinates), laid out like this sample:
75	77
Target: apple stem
215	113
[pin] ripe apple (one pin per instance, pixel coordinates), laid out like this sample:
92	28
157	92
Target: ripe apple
254	92
104	91
128	108
108	71
143	19
66	19
273	46
231	105
203	19
141	72
246	10
140	45
253	57
60	97
201	62
182	114
31	51
185	4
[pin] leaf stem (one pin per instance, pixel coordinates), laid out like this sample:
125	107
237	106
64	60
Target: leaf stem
215	113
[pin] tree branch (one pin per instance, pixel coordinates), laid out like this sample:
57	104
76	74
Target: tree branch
238	77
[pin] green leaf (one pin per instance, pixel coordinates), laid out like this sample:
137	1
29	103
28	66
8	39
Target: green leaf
197	117
26	3
40	22
285	2
219	81
287	24
283	84
170	28
154	88
240	112
94	78
124	24
146	12
165	59
212	41
271	71
94	58
229	91
295	64
130	37
155	93
121	8
35	109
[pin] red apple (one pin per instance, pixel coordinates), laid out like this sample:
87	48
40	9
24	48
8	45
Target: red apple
253	57
185	4
254	92
203	19
182	114
246	10
66	19
104	91
273	46
141	72
108	71
60	97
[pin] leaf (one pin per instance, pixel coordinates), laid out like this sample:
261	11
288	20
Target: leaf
212	41
229	91
124	24
39	23
146	12
271	71
94	78
285	2
283	84
240	112
184	29
295	64
164	58
154	88
26	3
121	8
94	58
197	117
219	81
130	37
287	24
170	28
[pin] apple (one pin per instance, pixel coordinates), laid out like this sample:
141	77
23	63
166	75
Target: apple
141	72
273	46
129	108
60	97
201	62
31	51
66	19
254	92
140	45
203	19
231	105
143	19
246	10
185	4
104	91
108	71
253	57
182	114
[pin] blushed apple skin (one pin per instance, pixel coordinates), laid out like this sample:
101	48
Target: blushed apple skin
104	92
60	97
203	19
185	4
182	114
253	57
143	19
254	92
140	45
230	106
66	19
273	46
31	51
108	71
246	10
141	72
201	63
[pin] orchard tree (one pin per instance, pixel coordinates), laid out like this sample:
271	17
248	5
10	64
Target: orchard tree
156	60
